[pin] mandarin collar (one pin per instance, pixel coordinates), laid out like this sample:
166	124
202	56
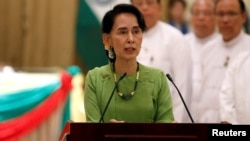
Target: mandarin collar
234	41
206	39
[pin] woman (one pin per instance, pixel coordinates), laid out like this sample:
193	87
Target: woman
142	94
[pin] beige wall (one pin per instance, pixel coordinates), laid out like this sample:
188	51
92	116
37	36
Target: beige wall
247	3
37	33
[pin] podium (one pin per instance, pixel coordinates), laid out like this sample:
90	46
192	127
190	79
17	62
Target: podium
80	131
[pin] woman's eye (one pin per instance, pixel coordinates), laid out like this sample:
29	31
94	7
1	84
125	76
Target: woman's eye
137	31
122	32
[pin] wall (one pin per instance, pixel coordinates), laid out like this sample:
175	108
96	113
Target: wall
37	33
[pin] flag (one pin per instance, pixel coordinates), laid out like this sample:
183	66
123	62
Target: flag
89	45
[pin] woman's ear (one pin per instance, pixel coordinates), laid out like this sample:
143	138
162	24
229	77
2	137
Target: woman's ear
105	40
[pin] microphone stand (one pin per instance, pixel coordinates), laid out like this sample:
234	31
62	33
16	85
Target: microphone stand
106	107
171	80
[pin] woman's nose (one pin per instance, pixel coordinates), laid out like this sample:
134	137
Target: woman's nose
130	38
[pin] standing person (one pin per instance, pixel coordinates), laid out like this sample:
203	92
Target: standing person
201	40
165	47
177	9
235	94
230	17
141	93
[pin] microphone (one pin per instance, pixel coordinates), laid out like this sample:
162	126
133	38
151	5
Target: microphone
171	80
106	107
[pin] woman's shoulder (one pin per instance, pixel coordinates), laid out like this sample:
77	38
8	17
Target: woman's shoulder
152	75
99	68
150	70
99	71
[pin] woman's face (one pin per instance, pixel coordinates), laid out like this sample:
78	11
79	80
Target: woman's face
125	37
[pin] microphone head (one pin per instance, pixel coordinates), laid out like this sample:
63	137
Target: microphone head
169	77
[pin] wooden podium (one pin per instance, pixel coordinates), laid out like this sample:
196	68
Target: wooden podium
80	131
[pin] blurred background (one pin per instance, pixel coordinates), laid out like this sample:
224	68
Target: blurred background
41	39
45	33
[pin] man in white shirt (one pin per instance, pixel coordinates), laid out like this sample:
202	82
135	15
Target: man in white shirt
164	47
235	92
230	17
201	40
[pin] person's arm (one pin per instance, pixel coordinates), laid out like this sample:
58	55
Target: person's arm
164	102
92	109
227	103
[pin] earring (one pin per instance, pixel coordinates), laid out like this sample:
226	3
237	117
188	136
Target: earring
111	53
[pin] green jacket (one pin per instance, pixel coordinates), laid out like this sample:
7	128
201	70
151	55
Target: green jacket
151	102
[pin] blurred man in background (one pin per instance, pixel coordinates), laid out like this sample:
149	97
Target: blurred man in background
230	17
234	96
165	47
201	40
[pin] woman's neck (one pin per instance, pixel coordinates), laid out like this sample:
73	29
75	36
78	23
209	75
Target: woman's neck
129	67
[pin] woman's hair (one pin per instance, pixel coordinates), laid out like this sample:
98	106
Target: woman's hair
109	17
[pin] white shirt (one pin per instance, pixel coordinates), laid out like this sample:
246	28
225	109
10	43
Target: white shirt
213	67
235	92
199	49
164	47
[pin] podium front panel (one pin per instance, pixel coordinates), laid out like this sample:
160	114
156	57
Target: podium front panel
138	132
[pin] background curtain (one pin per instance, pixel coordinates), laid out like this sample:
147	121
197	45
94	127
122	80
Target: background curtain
37	33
